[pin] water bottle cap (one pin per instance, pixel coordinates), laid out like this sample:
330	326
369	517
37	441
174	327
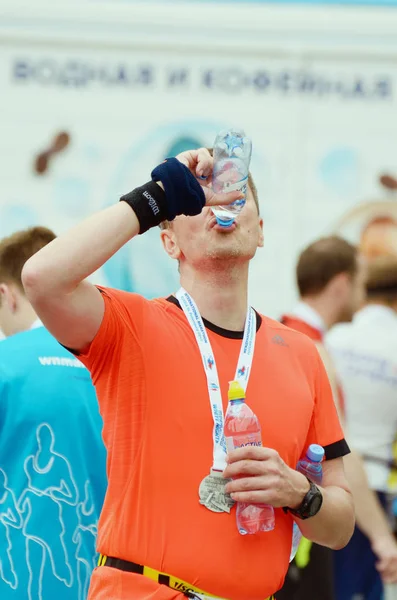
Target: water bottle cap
315	453
224	222
238	151
235	392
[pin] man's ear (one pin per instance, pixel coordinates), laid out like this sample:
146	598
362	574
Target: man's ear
170	243
261	240
8	296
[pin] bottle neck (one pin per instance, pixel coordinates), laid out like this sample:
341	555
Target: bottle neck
237	401
315	462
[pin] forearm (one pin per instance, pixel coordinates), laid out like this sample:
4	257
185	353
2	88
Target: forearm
259	476
69	259
370	515
334	524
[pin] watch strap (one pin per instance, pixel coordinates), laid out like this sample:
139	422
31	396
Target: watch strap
304	511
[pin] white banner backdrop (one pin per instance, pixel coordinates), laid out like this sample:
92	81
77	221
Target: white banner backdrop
322	118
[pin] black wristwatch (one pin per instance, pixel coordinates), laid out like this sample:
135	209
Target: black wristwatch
311	504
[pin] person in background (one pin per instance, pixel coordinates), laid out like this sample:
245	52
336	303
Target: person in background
52	457
331	281
162	535
365	356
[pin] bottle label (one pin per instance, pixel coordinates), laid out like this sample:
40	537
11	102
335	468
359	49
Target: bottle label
241	441
249	444
239	186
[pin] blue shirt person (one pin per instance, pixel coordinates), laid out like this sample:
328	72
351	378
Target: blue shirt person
52	457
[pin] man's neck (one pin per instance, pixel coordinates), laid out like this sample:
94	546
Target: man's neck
25	319
321	308
221	296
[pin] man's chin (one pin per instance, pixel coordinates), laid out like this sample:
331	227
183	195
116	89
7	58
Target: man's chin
228	251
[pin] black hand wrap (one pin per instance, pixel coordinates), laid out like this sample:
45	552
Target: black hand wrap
183	195
149	204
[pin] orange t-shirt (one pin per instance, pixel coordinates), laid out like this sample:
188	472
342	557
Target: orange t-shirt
317	336
153	397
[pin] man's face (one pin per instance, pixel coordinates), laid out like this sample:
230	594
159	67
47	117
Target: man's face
199	240
355	291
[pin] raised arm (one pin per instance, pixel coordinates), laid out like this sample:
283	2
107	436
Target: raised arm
54	278
71	308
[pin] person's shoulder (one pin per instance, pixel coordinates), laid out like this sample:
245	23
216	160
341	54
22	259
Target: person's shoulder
339	334
24	346
283	335
296	349
21	340
16	350
122	295
130	299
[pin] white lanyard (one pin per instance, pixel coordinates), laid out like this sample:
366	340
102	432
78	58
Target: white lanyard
243	369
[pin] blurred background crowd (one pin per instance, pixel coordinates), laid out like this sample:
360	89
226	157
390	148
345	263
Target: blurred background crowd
94	94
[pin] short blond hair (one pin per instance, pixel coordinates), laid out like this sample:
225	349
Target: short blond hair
17	248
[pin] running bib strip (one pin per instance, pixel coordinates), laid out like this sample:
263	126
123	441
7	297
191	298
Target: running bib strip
179	585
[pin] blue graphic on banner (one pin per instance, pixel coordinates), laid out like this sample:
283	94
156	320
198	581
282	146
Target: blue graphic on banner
339	170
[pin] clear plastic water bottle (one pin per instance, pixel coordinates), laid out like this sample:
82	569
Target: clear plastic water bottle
232	156
242	428
311	467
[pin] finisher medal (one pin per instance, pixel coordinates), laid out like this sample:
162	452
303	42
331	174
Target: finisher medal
212	493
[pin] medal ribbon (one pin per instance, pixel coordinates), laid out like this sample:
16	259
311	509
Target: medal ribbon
243	369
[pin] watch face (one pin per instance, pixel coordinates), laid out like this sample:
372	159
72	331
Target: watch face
315	504
311	503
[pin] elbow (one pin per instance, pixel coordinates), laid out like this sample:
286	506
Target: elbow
41	282
342	542
344	530
32	281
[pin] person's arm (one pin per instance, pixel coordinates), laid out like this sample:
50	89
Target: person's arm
54	279
370	516
261	476
330	369
333	526
71	308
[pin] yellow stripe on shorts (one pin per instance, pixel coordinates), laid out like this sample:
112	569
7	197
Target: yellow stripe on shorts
173	582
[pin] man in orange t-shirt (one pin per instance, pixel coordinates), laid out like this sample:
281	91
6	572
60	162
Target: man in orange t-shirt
161	369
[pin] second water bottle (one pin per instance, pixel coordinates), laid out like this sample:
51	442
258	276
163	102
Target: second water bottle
311	467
